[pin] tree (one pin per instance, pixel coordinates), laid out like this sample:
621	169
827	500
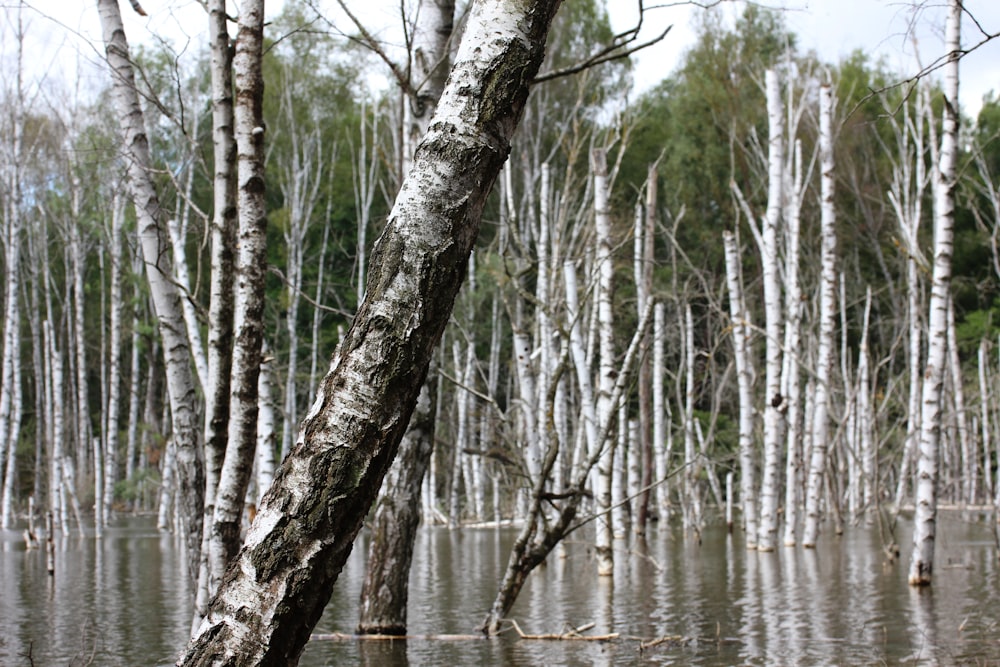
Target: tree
166	297
397	513
248	307
945	177
275	590
827	317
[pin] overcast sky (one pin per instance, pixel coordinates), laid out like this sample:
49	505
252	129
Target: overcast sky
835	28
832	27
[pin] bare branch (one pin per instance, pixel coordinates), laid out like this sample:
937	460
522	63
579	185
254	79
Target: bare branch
613	51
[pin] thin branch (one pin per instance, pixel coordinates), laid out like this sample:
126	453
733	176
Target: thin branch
609	53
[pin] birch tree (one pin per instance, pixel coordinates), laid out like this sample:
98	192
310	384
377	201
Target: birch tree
248	306
220	312
274	592
397	514
827	321
606	368
739	316
10	366
774	403
166	298
944	180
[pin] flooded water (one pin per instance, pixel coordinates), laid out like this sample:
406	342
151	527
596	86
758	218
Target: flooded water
123	600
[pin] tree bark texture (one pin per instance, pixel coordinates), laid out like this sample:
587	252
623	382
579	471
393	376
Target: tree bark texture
166	298
248	310
220	311
275	591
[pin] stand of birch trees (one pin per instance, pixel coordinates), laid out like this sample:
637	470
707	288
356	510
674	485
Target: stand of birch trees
782	293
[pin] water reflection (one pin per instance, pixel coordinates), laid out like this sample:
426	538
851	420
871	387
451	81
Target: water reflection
124	600
120	600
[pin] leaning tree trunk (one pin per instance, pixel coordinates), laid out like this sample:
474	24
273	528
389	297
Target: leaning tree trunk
827	321
275	591
166	298
925	518
397	514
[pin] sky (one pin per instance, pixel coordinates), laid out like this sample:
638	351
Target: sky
833	28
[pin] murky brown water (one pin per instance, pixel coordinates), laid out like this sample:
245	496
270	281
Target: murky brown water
123	601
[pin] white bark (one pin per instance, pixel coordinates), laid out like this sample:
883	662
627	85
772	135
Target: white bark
793	339
692	467
606	368
277	589
774	402
907	195
984	419
827	321
364	192
114	358
134	385
182	278
866	416
166	299
248	307
266	428
740	322
591	425
82	409
220	312
659	409
10	369
967	468
925	518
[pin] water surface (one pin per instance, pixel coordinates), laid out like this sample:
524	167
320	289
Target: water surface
124	600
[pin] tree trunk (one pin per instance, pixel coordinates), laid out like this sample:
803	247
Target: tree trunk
744	377
180	382
220	312
397	515
248	309
275	591
827	314
10	367
774	402
793	338
644	277
925	518
385	589
606	368
114	360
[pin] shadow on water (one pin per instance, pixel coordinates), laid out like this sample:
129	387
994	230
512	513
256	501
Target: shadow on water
124	600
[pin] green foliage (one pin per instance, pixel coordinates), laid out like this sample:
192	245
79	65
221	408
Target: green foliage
696	123
131	490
